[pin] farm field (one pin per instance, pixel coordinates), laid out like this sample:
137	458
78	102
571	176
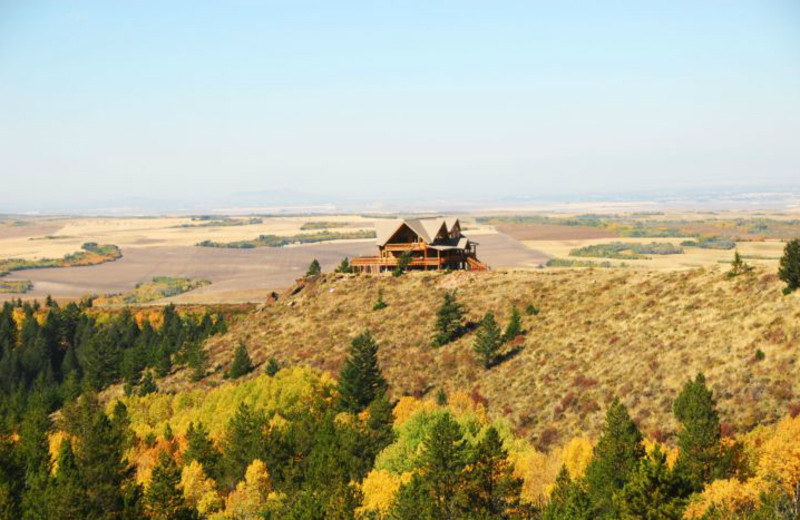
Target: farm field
162	247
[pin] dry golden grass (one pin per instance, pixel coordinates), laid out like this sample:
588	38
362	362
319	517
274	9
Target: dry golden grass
634	334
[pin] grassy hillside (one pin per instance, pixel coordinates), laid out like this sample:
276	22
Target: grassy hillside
600	333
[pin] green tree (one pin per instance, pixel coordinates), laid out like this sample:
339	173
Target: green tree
701	458
67	498
243	443
111	487
442	462
272	367
449	320
616	457
163	499
568	500
488	340
201	448
653	493
514	327
241	362
379	303
438	489
738	266
148	385
361	380
402	264
789	270
314	269
344	266
494	491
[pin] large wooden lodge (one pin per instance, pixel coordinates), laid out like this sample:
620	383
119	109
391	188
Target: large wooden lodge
432	243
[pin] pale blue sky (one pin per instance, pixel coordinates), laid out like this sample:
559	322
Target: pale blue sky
192	100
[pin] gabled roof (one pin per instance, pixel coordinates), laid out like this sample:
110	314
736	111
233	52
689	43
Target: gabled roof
427	228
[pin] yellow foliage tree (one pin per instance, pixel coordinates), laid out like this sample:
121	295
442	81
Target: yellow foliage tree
380	488
253	496
200	491
780	457
729	495
538	472
576	456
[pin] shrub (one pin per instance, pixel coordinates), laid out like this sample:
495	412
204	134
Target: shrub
314	269
531	310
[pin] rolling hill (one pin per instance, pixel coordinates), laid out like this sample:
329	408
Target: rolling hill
638	335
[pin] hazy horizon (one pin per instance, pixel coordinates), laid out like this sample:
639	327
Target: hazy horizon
193	103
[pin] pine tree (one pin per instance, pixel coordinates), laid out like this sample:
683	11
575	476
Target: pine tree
568	500
243	443
314	269
148	385
403	261
789	270
201	448
449	320
344	266
514	327
616	457
379	303
241	362
272	367
701	458
67	497
653	493
488	340
110	482
494	491
738	266
360	380
442	463
163	499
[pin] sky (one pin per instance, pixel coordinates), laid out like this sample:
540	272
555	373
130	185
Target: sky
198	100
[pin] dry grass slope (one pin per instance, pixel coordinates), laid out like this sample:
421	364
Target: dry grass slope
601	333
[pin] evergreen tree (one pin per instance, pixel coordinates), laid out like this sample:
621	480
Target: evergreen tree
344	266
449	320
110	485
196	359
148	385
243	443
403	261
701	458
272	367
616	458
163	499
514	327
442	463
494	491
379	303
201	448
653	493
34	451
241	362
67	497
738	266
314	269
789	270
568	500
488	341
360	380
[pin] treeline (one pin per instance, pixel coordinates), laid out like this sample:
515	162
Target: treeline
280	241
54	353
91	254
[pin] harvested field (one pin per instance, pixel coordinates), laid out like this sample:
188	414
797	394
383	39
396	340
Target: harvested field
552	232
237	275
